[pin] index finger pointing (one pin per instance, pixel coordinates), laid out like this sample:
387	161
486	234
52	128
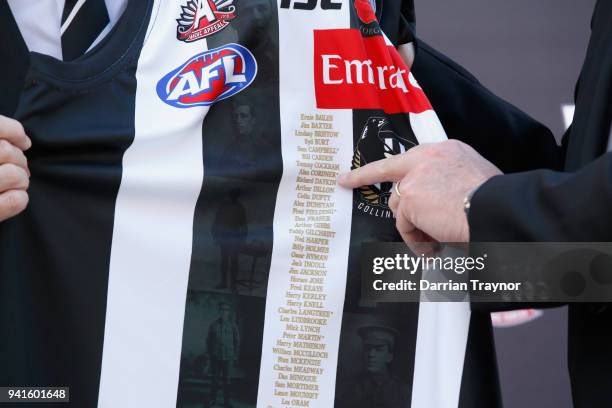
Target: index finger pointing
13	132
390	169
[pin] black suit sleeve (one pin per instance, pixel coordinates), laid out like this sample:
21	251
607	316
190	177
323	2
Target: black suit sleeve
397	20
469	112
499	131
571	206
15	61
407	22
545	205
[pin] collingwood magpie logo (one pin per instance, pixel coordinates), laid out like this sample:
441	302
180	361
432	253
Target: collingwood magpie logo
202	18
377	141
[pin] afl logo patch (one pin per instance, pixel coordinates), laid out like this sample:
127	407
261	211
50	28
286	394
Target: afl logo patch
202	18
209	77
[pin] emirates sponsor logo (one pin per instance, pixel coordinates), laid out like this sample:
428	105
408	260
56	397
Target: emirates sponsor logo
355	72
337	71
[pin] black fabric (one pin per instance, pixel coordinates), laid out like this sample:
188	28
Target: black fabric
408	25
569	206
502	133
14	57
397	20
87	24
54	273
469	112
68	6
588	136
543	205
561	206
478	390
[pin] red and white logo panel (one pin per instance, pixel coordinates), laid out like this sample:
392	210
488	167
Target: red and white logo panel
353	72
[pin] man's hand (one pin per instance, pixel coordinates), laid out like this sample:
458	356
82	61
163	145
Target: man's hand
434	181
14	173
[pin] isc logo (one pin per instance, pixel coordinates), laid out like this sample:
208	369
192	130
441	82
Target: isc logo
209	77
311	4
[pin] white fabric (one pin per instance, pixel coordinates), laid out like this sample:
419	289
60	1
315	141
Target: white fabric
40	23
147	286
296	100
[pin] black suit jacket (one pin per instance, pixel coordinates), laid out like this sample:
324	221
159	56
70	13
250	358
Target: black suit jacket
570	205
15	60
502	133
